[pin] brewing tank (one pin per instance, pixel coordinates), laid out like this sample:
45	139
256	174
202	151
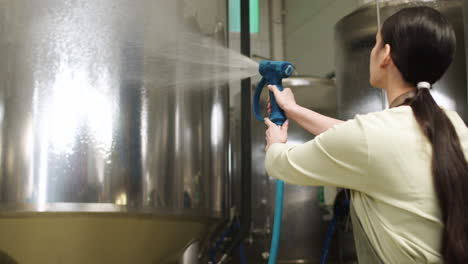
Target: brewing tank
107	155
465	11
354	40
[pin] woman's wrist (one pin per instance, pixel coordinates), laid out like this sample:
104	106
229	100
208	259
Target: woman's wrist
290	109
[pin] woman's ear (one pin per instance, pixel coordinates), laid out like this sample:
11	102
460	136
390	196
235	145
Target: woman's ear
386	55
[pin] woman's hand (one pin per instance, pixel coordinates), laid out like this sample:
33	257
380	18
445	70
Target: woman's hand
285	98
275	133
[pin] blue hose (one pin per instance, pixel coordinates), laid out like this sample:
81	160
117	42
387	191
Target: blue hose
277	222
213	250
242	256
340	209
328	239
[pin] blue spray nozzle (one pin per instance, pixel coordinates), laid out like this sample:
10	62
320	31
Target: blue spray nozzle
275	69
272	73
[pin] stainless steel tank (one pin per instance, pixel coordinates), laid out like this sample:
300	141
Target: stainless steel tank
354	39
465	16
303	225
106	155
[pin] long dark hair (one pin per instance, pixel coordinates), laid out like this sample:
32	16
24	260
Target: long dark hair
422	45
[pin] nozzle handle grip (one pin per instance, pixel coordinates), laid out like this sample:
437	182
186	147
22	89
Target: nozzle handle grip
256	99
277	115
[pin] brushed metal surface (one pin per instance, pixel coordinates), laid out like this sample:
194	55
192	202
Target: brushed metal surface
89	122
465	16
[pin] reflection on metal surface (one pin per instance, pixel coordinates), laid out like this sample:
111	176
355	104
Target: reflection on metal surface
121	199
372	2
465	16
85	121
355	37
303	228
190	255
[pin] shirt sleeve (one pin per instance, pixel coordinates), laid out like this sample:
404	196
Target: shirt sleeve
337	157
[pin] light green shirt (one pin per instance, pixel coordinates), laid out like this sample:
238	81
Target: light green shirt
386	160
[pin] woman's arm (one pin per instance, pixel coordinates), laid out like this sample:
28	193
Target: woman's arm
336	158
310	120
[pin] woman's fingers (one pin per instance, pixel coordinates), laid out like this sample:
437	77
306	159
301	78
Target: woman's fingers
274	89
284	98
285	126
268	122
275	133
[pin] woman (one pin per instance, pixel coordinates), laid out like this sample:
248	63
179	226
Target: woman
406	166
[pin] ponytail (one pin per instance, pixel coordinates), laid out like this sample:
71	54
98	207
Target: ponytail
450	174
423	44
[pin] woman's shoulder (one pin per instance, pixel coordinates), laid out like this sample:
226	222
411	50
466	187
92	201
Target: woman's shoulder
401	118
456	119
387	113
388	118
369	124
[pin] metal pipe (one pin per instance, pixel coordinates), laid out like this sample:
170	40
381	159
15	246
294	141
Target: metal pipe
377	7
277	30
465	18
190	255
246	142
384	94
